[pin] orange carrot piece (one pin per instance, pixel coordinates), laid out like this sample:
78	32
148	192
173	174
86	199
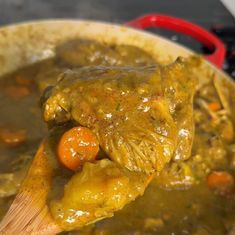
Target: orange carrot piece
17	91
214	106
11	137
23	80
221	181
76	146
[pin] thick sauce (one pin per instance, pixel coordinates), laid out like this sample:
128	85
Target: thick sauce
178	201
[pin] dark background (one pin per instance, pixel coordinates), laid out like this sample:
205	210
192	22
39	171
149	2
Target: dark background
203	12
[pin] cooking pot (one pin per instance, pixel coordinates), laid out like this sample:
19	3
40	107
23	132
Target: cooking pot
25	43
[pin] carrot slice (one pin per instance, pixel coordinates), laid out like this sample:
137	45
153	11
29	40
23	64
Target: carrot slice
76	146
221	181
12	137
214	106
23	80
17	91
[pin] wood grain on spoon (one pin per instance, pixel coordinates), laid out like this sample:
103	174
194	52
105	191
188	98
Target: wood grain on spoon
29	213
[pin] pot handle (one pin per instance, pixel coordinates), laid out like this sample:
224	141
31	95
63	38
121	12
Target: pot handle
185	27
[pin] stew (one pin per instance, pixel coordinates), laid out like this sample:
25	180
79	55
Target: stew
152	131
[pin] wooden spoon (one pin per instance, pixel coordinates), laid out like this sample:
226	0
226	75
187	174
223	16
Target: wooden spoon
29	213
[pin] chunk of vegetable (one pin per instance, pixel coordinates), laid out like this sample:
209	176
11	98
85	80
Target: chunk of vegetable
214	106
17	91
23	80
12	137
76	146
226	129
221	181
96	192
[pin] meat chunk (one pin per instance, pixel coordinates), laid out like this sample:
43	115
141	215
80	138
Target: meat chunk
78	52
141	116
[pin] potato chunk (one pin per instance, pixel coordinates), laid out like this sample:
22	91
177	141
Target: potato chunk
96	192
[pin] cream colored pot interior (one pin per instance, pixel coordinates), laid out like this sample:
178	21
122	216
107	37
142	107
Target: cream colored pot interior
26	43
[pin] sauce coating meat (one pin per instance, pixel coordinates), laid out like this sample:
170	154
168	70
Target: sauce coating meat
143	116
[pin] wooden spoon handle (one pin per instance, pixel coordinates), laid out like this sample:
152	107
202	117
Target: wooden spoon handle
29	213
